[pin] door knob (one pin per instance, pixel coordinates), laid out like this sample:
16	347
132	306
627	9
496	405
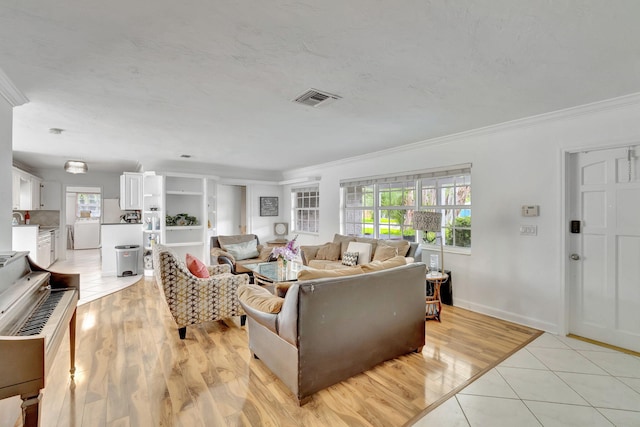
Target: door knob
574	257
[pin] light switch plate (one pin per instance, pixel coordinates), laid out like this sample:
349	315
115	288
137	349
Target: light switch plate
528	230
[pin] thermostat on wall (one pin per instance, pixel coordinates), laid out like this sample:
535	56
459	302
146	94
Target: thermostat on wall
531	210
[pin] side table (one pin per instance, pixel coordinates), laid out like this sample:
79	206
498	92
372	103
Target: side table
433	304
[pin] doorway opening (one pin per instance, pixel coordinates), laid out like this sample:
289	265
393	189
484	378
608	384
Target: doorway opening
83	215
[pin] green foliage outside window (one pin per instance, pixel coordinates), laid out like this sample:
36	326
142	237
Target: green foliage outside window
462	233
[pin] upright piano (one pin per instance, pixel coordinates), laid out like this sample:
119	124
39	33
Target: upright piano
36	305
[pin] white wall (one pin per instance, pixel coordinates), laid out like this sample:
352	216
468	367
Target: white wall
6	161
229	209
262	226
519	278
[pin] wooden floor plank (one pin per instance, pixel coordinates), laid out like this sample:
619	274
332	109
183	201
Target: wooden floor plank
134	370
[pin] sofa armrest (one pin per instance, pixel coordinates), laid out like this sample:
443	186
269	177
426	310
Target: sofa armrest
415	251
309	253
288	316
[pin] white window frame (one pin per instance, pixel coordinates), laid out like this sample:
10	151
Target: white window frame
305	219
440	176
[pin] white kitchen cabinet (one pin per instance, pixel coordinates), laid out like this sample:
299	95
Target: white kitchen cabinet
25	191
131	185
31	238
35	182
50	196
15	190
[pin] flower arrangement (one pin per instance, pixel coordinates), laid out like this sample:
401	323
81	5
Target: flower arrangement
287	252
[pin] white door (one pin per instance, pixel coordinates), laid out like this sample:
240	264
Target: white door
604	269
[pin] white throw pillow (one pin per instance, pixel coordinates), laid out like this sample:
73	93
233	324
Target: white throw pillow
244	250
363	249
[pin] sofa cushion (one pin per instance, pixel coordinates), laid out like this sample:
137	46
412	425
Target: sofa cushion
259	298
402	245
329	252
243	250
344	241
312	273
350	259
383	265
231	240
323	264
197	267
310	252
363	250
384	252
372	242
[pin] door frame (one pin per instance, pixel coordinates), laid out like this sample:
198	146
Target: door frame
565	202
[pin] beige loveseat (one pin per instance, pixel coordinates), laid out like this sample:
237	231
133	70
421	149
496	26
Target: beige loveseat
329	255
326	330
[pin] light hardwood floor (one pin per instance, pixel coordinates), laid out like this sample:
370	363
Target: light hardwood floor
133	370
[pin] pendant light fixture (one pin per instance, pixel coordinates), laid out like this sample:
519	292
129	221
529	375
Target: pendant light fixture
76	166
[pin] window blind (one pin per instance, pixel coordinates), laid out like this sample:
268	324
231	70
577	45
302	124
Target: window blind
461	169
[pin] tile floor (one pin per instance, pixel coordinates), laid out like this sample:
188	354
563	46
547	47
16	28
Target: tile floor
93	284
553	381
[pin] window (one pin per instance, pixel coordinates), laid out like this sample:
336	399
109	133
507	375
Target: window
383	207
88	205
452	196
305	203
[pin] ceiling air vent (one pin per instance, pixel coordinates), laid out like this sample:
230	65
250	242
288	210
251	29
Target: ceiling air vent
314	97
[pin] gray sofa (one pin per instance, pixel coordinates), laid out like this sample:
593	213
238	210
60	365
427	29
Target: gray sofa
330	329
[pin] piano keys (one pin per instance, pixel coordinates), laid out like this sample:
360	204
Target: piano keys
36	305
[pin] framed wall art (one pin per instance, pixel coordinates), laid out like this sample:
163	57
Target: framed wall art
268	206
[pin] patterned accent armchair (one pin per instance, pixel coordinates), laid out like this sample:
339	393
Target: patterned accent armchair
192	300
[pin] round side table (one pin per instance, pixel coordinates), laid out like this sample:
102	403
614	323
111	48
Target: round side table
433	304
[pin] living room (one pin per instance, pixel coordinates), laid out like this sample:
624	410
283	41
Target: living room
523	160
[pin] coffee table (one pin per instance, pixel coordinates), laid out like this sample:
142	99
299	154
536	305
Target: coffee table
268	273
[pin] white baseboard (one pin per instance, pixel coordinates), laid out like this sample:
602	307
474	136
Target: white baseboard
508	316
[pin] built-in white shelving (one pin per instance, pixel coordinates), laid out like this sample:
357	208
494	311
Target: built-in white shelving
152	217
184	194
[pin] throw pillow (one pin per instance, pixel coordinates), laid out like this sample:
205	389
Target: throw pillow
384	252
314	273
402	245
384	265
329	252
350	258
259	299
244	250
197	267
344	241
373	242
363	249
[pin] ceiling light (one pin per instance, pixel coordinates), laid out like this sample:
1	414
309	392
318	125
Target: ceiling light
76	166
185	156
56	131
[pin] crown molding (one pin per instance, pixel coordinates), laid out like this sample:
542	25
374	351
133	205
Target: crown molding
10	92
564	114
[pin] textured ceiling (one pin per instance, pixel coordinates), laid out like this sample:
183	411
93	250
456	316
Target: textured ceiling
144	82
